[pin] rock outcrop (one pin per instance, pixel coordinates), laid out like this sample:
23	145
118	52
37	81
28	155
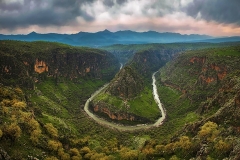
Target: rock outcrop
102	109
30	62
207	79
127	84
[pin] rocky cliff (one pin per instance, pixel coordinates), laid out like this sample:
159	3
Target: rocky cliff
25	63
209	79
127	93
106	111
127	84
126	52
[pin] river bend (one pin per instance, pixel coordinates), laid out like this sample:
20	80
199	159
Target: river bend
123	127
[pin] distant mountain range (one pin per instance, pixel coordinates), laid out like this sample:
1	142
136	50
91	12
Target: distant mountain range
104	38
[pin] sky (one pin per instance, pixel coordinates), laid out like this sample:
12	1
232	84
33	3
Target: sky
210	17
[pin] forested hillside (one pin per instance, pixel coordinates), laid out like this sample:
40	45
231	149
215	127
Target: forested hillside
126	52
203	84
44	87
24	63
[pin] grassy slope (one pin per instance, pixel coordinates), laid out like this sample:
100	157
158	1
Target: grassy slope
143	105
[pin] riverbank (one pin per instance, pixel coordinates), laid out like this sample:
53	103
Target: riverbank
129	128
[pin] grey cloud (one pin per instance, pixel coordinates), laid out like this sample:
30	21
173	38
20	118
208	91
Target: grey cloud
108	3
121	1
164	7
43	13
223	11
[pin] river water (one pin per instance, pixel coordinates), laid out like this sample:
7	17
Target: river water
123	127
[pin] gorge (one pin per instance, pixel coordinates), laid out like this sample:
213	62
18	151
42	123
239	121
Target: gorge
123	127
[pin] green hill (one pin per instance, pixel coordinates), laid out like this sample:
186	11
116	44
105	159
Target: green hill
41	112
125	53
202	87
41	103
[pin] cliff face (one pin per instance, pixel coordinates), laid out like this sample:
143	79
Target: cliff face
127	84
208	78
25	63
103	109
227	101
126	52
146	62
130	86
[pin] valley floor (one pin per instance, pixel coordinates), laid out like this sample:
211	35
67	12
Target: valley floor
124	127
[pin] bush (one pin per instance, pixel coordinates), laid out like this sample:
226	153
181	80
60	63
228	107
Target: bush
54	145
13	131
1	133
51	158
74	152
209	131
51	130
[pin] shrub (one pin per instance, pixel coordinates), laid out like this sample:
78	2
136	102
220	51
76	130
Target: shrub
51	158
13	131
51	130
54	145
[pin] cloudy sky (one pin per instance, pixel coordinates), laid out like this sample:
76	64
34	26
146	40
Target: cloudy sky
212	17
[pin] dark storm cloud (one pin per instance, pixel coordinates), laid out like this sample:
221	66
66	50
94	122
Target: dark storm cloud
108	3
121	1
223	11
41	12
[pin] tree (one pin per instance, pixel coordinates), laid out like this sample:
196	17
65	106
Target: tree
159	148
54	145
33	124
19	105
13	131
18	91
76	158
1	133
35	135
51	158
85	150
128	154
169	148
5	110
184	143
174	157
209	131
51	130
222	147
74	152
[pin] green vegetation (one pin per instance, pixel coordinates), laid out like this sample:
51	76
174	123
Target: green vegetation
24	63
126	52
143	105
199	89
177	105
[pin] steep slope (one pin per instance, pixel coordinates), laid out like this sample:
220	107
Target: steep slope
202	70
127	84
202	116
125	53
25	63
209	80
128	98
42	89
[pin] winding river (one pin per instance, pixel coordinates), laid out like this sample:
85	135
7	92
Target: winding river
123	127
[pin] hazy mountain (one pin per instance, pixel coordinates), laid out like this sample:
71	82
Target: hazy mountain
106	37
